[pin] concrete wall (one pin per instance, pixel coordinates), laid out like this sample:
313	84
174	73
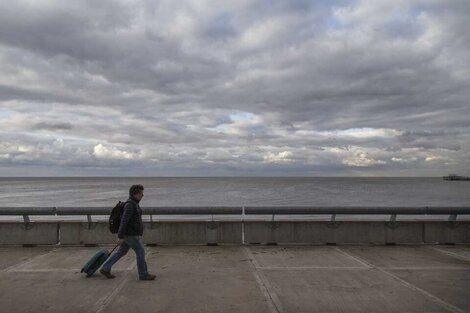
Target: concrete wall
184	232
264	232
193	232
374	232
34	233
450	232
73	233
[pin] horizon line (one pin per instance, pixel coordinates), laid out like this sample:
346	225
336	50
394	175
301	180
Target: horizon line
224	176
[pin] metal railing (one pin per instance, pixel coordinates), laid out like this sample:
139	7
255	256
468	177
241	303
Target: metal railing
238	210
241	210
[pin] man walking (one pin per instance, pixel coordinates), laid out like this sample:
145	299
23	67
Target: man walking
130	235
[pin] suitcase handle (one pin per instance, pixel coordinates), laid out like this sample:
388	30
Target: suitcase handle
109	254
113	249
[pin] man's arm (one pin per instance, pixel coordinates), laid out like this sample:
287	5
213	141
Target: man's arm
128	210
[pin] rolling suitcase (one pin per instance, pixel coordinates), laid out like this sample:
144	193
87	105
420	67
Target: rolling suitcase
96	261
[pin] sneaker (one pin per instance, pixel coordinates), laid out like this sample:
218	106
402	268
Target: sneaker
107	274
148	277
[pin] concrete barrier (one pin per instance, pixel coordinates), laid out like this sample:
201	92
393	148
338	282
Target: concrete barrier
374	232
175	233
83	233
168	232
270	232
32	233
404	232
230	232
193	232
447	232
187	232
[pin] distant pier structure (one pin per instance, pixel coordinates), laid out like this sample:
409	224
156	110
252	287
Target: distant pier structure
455	177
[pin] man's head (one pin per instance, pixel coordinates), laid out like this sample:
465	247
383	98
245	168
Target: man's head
136	192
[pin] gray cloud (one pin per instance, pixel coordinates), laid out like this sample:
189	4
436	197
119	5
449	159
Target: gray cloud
251	87
53	126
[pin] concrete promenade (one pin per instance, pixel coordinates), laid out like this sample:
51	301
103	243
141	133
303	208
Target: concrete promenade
241	278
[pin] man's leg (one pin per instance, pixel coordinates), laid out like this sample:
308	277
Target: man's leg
122	251
136	244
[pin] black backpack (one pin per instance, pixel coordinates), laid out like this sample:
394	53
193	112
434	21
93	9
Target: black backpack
115	217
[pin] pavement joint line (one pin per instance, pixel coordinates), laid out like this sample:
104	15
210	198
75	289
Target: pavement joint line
26	262
104	301
273	301
441	302
288	268
365	264
44	270
426	267
47	270
449	253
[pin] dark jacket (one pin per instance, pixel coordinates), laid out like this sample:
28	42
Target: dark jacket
131	220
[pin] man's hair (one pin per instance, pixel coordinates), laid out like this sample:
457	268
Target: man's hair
135	189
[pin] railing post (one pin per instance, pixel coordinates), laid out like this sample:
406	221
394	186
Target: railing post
26	221
212	230
453	218
243	224
452	222
151	222
333	223
392	223
89	221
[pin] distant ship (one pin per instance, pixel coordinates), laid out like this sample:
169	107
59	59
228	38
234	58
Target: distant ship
455	177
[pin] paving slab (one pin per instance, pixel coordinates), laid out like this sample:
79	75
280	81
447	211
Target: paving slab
459	252
70	258
439	273
236	278
62	291
193	279
421	256
13	256
317	290
302	257
451	286
310	279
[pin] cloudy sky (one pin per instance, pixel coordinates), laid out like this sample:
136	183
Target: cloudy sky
234	88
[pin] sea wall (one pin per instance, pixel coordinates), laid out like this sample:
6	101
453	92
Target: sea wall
238	232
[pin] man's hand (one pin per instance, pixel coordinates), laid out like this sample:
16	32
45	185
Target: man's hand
120	241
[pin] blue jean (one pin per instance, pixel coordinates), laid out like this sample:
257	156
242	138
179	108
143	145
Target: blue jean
134	242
